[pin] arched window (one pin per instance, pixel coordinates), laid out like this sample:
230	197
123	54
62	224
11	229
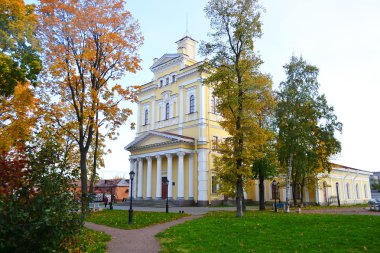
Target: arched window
365	191
173	79
357	191
167	111
348	190
192	104
146	116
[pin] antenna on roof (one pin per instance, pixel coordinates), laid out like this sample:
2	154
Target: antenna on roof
187	25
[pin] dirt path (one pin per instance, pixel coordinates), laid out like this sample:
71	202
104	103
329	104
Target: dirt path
141	240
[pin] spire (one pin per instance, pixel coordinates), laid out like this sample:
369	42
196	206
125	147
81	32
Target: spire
187	34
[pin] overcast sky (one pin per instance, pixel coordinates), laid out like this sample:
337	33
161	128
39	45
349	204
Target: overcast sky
341	38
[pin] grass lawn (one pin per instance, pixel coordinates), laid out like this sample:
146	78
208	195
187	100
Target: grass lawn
271	232
119	218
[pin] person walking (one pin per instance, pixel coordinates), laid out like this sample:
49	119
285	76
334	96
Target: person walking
105	201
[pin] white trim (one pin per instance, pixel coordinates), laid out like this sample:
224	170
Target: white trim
152	112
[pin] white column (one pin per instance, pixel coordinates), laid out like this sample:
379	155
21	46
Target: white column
257	190
202	116
135	179
265	190
140	178
149	178
202	175
307	195
191	176
138	119
159	177
181	101
152	113
169	175
181	180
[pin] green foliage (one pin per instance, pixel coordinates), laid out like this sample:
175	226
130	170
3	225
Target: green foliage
19	60
244	94
306	124
119	218
271	232
38	212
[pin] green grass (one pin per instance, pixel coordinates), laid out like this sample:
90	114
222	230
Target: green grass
119	218
274	232
332	207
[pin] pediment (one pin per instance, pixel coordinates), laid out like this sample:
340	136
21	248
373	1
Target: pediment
156	139
164	59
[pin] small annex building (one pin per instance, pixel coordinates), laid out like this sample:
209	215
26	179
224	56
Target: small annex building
177	125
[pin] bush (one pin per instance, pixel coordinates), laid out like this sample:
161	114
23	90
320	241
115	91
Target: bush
38	212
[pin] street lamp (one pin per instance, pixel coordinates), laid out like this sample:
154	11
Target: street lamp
337	192
131	177
274	190
166	183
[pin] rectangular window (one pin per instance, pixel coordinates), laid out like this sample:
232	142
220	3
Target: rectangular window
214	142
167	81
214	185
161	83
173	80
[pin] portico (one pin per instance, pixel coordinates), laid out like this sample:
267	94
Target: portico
152	165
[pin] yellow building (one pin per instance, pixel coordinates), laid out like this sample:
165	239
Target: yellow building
176	126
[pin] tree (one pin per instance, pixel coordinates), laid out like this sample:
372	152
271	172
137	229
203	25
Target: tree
263	169
19	60
19	67
243	92
306	126
38	212
88	46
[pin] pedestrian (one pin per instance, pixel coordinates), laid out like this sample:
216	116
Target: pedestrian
105	201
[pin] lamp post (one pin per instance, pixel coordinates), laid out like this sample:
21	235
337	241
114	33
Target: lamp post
337	192
131	177
166	183
274	190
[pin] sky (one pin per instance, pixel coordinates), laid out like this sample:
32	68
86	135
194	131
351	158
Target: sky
340	37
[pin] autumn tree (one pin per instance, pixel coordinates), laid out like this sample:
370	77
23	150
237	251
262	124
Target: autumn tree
19	67
243	92
88	45
306	126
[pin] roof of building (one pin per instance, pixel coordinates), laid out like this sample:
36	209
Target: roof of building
335	165
172	138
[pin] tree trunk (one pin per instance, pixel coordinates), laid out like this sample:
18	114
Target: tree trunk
83	177
92	181
302	188
287	199
261	190
239	197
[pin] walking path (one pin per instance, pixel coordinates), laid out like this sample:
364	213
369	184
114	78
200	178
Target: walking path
141	240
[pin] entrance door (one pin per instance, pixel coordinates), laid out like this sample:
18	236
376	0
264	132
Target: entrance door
164	188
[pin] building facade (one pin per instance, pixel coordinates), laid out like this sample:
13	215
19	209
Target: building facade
175	128
177	125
